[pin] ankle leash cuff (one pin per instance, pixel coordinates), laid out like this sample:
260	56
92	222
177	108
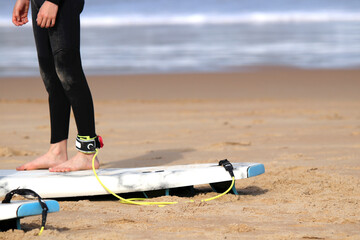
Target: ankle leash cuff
87	145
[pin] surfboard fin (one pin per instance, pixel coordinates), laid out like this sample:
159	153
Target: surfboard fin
222	186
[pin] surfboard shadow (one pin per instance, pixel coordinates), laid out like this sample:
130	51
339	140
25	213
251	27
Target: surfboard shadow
249	190
150	159
26	227
252	190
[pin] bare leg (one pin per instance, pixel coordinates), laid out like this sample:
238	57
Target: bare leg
80	161
56	155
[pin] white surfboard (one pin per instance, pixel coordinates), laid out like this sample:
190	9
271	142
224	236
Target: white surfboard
122	180
11	213
19	209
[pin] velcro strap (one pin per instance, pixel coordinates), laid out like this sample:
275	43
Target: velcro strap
228	166
25	192
87	144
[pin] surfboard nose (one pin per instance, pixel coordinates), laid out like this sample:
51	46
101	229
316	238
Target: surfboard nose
256	170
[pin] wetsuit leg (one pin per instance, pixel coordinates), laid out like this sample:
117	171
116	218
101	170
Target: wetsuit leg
59	106
64	41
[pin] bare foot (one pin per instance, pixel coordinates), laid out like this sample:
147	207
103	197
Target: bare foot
56	155
80	161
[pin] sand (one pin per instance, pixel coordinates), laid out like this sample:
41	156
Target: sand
304	125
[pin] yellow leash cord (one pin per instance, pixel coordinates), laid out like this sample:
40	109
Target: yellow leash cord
160	204
41	230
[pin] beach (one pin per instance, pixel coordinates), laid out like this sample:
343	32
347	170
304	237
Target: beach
303	125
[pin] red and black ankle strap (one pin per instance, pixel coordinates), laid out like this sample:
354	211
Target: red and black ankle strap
88	145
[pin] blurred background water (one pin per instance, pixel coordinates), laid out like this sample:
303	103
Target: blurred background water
162	36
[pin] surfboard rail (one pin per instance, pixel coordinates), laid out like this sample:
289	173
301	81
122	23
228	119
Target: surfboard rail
11	213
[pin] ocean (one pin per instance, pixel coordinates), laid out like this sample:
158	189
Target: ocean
169	36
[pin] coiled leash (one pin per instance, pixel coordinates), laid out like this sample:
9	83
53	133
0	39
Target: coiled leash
138	201
27	192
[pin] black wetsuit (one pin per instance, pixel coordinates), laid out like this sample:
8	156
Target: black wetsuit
58	51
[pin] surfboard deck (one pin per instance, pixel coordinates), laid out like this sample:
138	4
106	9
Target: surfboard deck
122	180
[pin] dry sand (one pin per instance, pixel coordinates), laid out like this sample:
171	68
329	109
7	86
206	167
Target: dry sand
303	125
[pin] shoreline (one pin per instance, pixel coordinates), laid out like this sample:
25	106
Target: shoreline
266	82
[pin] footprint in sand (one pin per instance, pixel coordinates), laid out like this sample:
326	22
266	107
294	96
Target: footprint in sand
235	145
10	152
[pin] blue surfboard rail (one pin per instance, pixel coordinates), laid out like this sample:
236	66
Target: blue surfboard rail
256	170
34	208
25	209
